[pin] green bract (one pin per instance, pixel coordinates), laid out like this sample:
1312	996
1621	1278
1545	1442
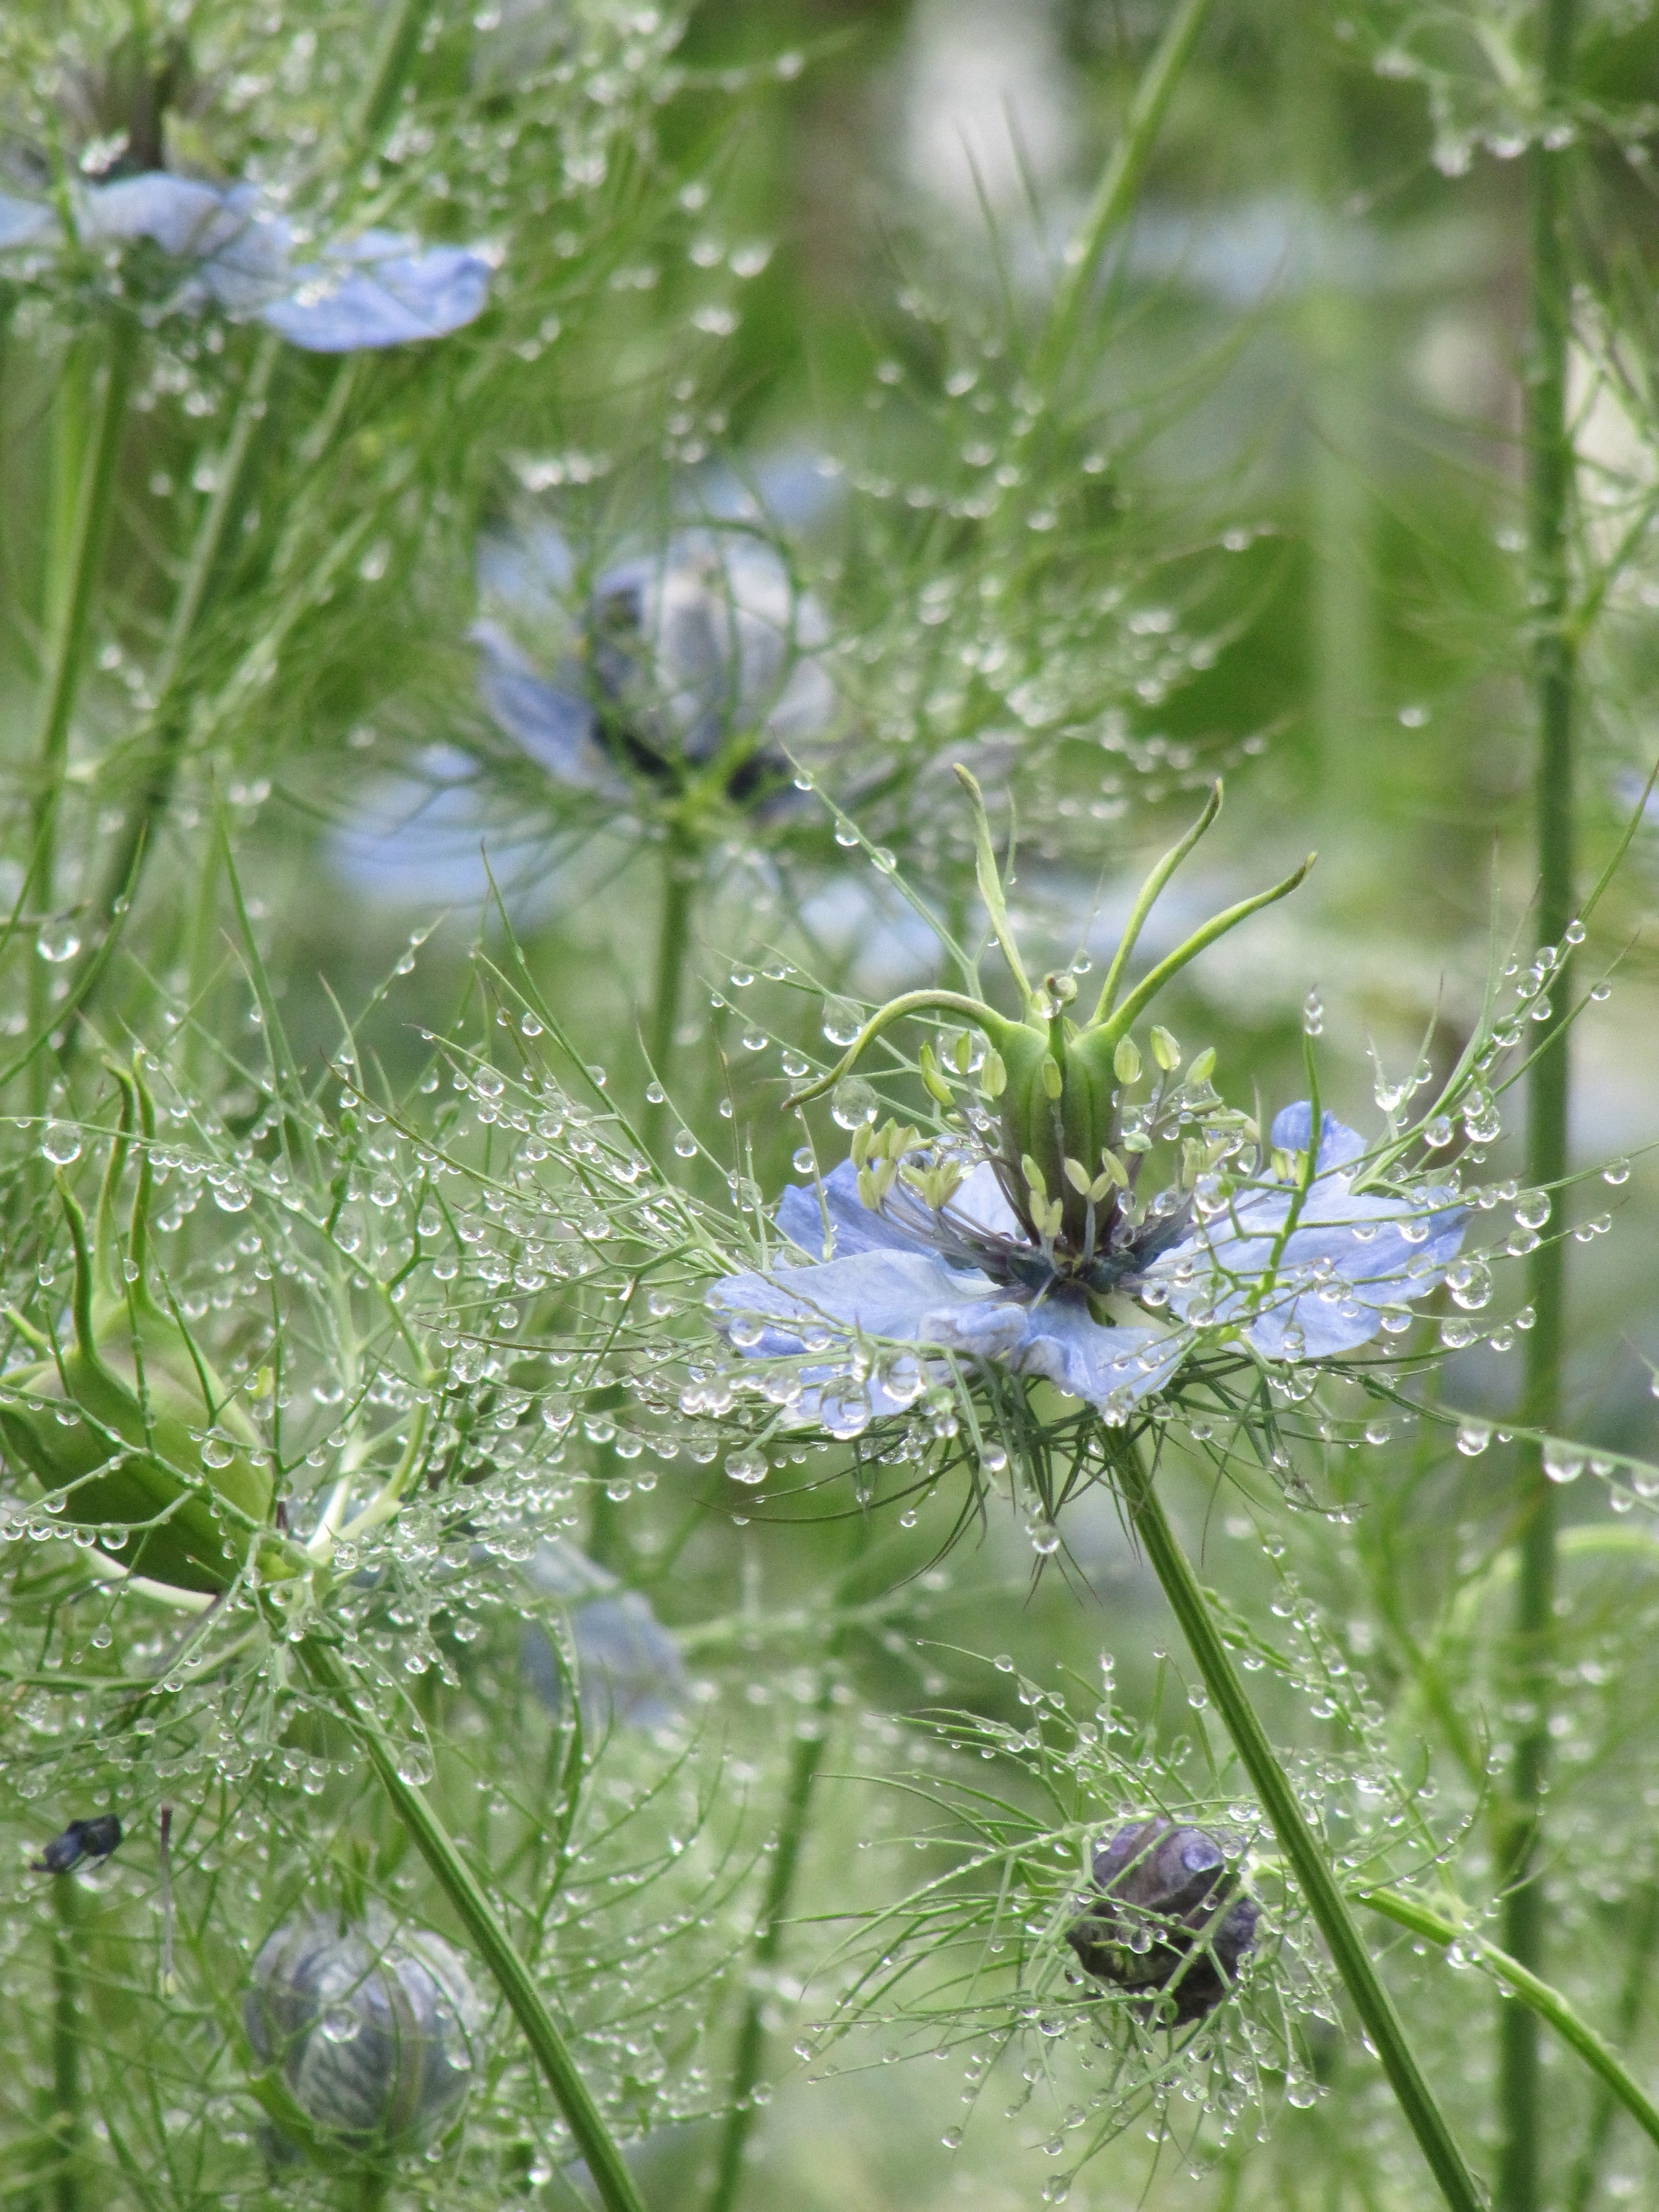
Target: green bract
155	1455
1054	1081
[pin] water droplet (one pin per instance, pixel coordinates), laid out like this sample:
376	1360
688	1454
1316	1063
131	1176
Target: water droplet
339	2024
842	1020
414	1765
685	1145
1560	1465
803	1160
217	1450
1473	1437
56	942
654	1092
1532	1208
61	1143
852	1102
1616	1171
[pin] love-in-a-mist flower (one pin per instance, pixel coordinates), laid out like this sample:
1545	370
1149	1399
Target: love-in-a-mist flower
373	2030
628	1669
1018	1231
685	684
231	248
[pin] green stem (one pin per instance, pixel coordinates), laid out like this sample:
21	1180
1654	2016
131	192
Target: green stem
1297	1840
593	2139
1118	187
66	2088
1644	1941
769	1943
1545	2004
1521	2101
90	412
171	720
680	875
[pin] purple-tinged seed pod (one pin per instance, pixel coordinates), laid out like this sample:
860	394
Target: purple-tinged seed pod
374	2029
1170	1917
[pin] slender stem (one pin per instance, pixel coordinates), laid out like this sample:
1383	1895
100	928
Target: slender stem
1297	1840
1644	1939
91	410
1521	2101
769	1943
679	888
1119	184
171	719
66	2088
593	2139
1546	2003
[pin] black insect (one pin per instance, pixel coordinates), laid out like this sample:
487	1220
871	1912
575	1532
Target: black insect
81	1839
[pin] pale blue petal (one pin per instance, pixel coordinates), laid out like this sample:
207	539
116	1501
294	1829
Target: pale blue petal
26	223
1339	1144
555	727
1347	1261
879	1293
380	291
185	218
558	1569
853	1227
629	1670
1059	1340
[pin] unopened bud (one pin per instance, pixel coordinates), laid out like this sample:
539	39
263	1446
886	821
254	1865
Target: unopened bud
1170	1917
932	1082
1126	1061
82	1839
373	2032
1166	1051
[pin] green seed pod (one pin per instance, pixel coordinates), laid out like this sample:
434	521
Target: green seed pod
156	1455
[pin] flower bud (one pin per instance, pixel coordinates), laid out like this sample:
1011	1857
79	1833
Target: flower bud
1170	1916
373	2032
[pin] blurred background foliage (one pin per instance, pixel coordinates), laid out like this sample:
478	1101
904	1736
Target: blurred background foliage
783	263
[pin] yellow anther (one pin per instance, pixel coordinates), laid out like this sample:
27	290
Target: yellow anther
993	1076
1202	1068
1077	1176
1126	1061
1034	1178
1114	1168
1166	1051
1052	1082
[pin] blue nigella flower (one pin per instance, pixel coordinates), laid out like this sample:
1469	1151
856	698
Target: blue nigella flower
693	673
1303	1267
236	251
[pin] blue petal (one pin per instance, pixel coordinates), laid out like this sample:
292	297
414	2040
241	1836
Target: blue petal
380	291
853	1227
26	222
629	1668
185	218
555	728
1293	1132
1347	1261
915	1297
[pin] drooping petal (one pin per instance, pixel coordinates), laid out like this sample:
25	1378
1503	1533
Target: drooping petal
380	290
555	727
184	217
629	1670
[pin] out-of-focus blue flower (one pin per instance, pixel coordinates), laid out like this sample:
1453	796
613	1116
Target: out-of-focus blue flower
372	2029
1350	1256
1303	1274
235	250
697	667
629	1670
965	1279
